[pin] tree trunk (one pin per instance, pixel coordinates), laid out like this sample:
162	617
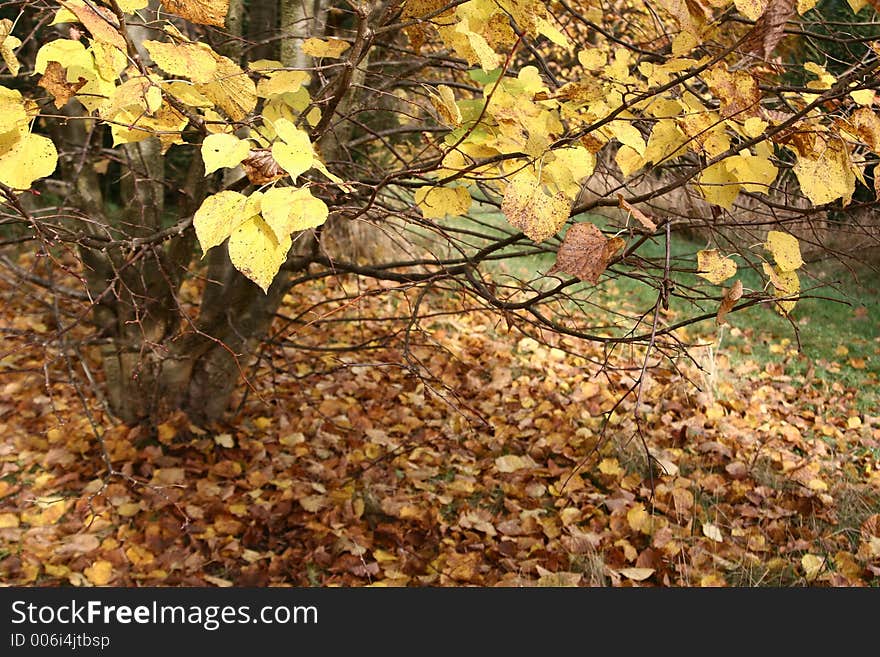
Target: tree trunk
154	362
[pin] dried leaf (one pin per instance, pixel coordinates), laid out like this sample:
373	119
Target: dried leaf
204	12
729	300
642	218
54	80
585	252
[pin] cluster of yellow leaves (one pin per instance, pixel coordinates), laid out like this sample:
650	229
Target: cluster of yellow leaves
521	116
258	226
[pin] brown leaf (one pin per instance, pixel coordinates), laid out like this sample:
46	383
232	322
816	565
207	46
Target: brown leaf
54	80
585	252
732	295
642	218
769	29
261	168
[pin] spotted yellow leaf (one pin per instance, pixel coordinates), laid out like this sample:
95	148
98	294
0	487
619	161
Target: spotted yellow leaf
714	267
31	157
223	150
535	212
826	175
751	9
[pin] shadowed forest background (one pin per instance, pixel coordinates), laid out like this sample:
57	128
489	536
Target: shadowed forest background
427	293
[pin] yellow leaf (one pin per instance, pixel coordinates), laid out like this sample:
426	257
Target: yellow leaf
610	467
439	202
294	153
718	185
826	175
67	52
281	82
204	12
812	566
628	134
754	126
863	96
217	217
186	93
8	521
803	6
256	252
64	15
569	168
786	250
592	59
638	517
231	89
712	532
99	573
332	48
290	209
131	6
857	5
137	93
629	160
195	61
31	157
12	113
785	284
223	151
666	141
751	9
714	267
754	173
853	422
528	207
133	125
139	555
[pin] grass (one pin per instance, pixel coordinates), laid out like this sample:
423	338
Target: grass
836	323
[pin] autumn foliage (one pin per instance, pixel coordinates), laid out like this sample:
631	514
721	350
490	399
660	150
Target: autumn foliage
223	221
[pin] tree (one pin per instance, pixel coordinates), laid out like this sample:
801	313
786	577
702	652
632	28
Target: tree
154	151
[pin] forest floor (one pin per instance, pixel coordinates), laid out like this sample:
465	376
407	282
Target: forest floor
459	454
